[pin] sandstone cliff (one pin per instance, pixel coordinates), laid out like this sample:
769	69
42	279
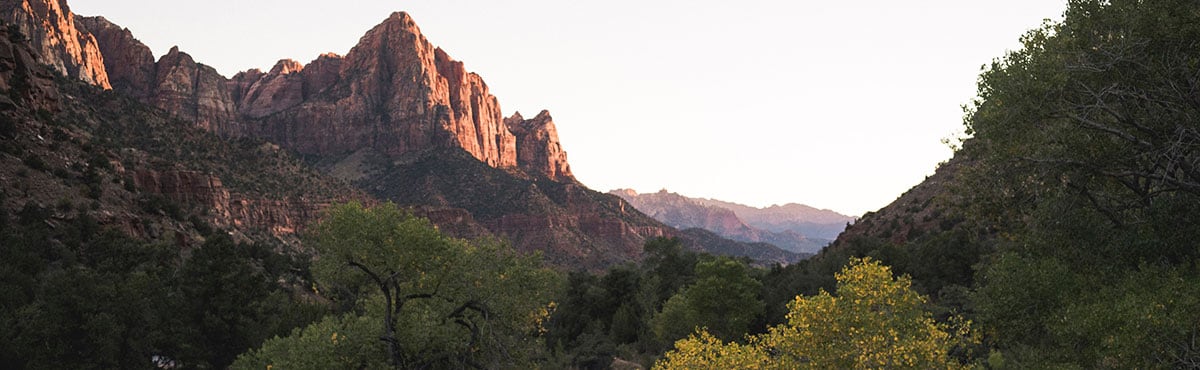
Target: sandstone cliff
282	218
394	92
538	149
86	153
128	62
50	27
193	92
27	84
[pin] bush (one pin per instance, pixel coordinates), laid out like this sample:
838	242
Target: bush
35	162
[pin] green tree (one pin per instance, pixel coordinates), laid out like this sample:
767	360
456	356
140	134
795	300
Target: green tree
335	342
724	299
875	321
1085	143
229	301
437	301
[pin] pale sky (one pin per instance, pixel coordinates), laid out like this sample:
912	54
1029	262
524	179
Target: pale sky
835	104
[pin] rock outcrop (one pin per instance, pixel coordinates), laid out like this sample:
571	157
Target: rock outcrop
538	149
233	211
27	84
193	92
128	62
56	40
394	92
261	94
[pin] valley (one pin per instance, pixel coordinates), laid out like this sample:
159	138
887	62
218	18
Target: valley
379	209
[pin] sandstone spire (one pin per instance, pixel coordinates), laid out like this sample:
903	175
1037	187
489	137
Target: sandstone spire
538	149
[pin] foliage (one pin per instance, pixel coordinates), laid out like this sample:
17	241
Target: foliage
724	299
435	300
75	295
703	351
1086	142
335	342
875	321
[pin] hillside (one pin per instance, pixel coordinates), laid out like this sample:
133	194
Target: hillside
87	152
1065	226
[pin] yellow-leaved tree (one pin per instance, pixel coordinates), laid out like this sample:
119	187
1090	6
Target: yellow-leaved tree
875	321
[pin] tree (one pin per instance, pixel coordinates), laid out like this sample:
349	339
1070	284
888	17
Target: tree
724	299
334	342
1087	142
875	321
229	301
437	301
1101	105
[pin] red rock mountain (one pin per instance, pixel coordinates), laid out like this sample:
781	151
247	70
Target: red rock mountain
396	116
394	92
538	149
145	174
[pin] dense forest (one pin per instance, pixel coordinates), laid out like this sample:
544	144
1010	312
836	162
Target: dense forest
1066	237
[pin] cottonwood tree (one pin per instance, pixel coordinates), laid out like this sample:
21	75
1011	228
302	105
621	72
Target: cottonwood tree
438	301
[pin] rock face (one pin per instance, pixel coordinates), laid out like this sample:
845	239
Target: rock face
233	211
144	173
20	74
57	41
128	62
538	149
394	92
192	92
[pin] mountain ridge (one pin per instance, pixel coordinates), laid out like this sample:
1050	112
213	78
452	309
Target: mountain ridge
396	116
729	220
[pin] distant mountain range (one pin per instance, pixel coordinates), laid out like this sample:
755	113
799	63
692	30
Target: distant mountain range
794	227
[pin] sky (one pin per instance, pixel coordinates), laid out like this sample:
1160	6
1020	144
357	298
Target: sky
840	105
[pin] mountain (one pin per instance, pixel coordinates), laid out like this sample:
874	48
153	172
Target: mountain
729	219
396	117
82	154
394	93
805	220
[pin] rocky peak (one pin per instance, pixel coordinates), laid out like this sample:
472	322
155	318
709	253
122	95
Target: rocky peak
538	149
322	74
192	91
258	95
129	63
394	92
286	66
51	29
